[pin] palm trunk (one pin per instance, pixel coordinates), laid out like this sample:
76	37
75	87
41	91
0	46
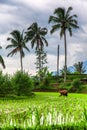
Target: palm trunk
39	60
21	62
58	62
39	49
65	67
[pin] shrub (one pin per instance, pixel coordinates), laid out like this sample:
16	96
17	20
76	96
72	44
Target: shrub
66	85
75	85
36	81
45	83
22	83
5	85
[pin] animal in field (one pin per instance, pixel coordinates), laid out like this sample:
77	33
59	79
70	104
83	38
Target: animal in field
63	92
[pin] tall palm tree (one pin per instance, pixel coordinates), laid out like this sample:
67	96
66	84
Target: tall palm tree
65	22
37	36
1	60
79	67
18	43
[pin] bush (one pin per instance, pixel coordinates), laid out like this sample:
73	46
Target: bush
75	85
45	83
5	85
22	83
66	85
36	81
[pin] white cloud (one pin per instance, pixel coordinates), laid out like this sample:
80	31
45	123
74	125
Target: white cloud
19	14
6	14
13	64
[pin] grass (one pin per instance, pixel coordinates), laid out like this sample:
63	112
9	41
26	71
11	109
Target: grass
42	110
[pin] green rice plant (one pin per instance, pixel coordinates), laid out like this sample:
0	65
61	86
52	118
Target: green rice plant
45	110
85	114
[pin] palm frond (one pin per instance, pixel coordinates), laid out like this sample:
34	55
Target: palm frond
72	17
34	40
2	62
74	25
16	35
61	33
45	41
27	48
55	28
29	34
9	46
74	21
43	31
52	19
68	11
60	12
35	33
12	40
70	31
14	51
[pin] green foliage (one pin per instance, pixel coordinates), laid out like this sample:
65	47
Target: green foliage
45	83
18	43
45	111
85	114
41	61
80	68
5	85
2	60
66	85
37	36
75	85
36	81
22	83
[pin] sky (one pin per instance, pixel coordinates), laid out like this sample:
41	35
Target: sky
20	14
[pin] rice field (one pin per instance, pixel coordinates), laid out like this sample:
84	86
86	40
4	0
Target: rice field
43	109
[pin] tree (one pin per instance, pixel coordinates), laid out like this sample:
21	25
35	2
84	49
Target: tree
63	70
79	67
18	42
41	56
65	22
37	36
1	60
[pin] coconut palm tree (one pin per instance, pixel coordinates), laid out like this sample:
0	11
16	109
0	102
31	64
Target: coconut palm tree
1	60
37	36
18	43
65	22
79	67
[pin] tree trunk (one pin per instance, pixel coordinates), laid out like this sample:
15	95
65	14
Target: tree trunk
21	62
58	62
65	67
40	66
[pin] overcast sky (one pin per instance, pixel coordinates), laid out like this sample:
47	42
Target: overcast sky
20	14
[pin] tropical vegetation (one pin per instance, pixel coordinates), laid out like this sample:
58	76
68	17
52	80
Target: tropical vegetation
65	22
2	60
36	35
44	111
33	102
18	43
79	67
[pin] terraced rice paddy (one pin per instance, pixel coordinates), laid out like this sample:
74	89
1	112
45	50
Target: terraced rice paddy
43	109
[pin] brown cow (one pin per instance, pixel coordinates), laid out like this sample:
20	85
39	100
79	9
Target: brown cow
63	92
